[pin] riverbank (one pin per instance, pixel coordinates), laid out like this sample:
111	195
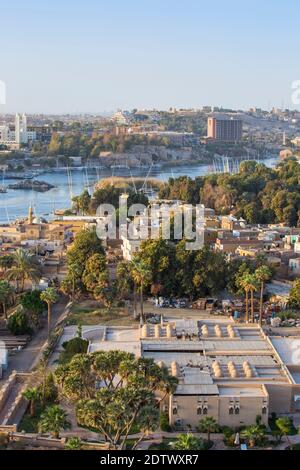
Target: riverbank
71	182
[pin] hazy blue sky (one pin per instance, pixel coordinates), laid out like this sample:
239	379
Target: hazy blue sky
95	55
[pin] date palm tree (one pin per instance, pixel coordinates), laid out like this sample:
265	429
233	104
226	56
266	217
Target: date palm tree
262	274
54	420
6	293
285	426
24	267
50	297
253	434
32	395
252	285
141	276
243	283
6	262
208	425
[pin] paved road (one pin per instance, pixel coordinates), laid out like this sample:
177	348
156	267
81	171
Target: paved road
26	359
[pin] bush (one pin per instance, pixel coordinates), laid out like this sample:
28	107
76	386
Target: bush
164	423
50	389
4	439
74	443
18	323
72	347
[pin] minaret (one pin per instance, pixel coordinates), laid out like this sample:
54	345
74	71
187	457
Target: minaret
30	215
284	139
17	129
24	136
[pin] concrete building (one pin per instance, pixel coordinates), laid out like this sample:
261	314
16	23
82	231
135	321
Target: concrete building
225	129
230	371
14	137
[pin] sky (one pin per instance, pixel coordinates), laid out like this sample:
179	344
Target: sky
73	56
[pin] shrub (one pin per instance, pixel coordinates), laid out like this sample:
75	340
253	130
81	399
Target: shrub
74	443
18	323
50	389
164	423
72	347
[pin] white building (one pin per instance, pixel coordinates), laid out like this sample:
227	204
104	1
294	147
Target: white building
20	134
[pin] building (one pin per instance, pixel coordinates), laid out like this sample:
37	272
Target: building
18	135
294	266
229	371
225	129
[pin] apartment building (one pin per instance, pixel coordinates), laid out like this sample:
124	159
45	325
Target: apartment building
225	129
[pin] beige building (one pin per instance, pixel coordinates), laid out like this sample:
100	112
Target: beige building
230	371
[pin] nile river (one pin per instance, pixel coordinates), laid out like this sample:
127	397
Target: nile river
15	203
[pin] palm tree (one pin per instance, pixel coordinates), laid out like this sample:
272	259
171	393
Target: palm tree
252	284
285	426
253	434
188	442
262	274
141	276
248	282
6	262
54	420
50	297
244	284
32	395
6	293
208	425
25	267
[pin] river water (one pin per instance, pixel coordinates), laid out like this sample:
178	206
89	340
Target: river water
15	203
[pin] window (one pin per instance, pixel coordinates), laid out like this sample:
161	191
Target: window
264	410
199	410
231	410
237	410
175	410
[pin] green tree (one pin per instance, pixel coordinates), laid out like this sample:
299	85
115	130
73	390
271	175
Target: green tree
6	262
49	296
262	274
18	322
95	267
86	244
31	301
244	283
294	297
32	395
25	267
208	425
82	202
54	420
188	442
254	435
72	347
6	294
285	426
127	397
141	276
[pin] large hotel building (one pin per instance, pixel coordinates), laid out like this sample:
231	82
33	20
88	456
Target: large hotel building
225	129
230	371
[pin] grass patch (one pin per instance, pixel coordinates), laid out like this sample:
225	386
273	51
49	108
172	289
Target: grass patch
92	316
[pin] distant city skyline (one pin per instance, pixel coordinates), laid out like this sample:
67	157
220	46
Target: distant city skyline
97	56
